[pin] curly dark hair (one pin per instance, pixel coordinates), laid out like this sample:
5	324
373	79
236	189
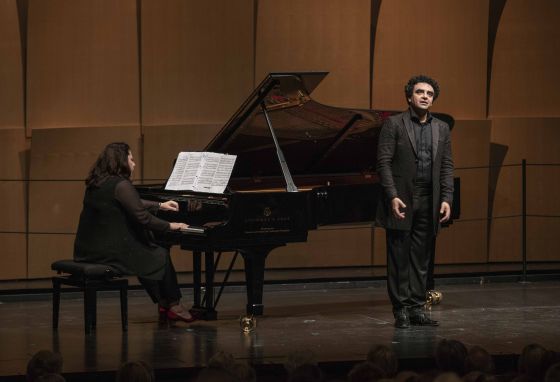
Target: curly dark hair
113	161
409	87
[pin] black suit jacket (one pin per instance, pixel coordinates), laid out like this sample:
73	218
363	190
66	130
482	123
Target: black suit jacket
396	166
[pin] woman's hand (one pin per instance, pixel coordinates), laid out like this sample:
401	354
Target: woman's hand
170	205
178	226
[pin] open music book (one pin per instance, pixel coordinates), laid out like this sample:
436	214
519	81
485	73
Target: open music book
201	171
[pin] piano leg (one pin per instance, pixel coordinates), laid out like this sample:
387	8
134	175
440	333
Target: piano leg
254	277
197	272
208	311
211	313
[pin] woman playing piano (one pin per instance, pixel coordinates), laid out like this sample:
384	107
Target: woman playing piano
114	226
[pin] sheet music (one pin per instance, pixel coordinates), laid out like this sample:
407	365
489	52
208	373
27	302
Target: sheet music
223	173
201	171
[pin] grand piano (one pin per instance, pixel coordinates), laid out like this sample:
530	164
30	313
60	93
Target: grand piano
300	165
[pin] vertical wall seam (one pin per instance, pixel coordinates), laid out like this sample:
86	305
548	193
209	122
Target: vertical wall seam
255	18
495	10
22	10
374	9
140	105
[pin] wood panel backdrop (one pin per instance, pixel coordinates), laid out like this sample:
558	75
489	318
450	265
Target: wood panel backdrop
165	75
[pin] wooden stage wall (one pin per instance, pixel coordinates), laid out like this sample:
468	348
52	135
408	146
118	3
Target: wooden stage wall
165	76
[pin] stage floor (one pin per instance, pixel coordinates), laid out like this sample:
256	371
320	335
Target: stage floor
338	322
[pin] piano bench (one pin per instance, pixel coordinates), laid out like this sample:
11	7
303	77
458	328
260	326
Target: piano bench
89	278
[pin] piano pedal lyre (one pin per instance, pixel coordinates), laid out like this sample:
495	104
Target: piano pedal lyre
205	291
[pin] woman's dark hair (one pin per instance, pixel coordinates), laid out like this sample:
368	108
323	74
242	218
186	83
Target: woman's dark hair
113	161
409	87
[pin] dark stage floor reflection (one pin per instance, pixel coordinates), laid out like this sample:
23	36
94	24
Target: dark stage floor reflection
337	321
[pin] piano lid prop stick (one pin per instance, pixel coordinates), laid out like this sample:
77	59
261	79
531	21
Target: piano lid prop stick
290	186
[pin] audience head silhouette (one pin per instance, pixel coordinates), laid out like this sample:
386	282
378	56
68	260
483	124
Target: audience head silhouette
553	373
135	371
533	361
385	359
43	362
478	359
223	367
365	372
451	356
50	377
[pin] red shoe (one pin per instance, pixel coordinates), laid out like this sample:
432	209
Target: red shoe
179	317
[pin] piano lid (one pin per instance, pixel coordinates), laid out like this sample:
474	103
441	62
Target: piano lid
315	138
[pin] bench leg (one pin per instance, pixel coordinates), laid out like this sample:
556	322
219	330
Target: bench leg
124	306
56	302
89	288
90	308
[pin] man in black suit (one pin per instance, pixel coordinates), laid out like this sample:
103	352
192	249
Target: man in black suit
416	170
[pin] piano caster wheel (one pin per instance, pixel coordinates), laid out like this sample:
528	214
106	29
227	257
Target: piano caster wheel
433	297
247	324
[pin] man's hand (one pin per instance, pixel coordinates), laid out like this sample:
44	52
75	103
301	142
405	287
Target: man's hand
178	226
170	205
396	206
444	212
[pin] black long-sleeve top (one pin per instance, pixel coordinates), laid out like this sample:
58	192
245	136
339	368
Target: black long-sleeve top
113	230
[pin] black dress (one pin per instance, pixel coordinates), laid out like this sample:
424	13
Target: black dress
113	230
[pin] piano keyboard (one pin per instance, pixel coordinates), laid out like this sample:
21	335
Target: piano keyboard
193	229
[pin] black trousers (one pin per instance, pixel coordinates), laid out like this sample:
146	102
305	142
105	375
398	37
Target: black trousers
430	283
409	254
165	291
